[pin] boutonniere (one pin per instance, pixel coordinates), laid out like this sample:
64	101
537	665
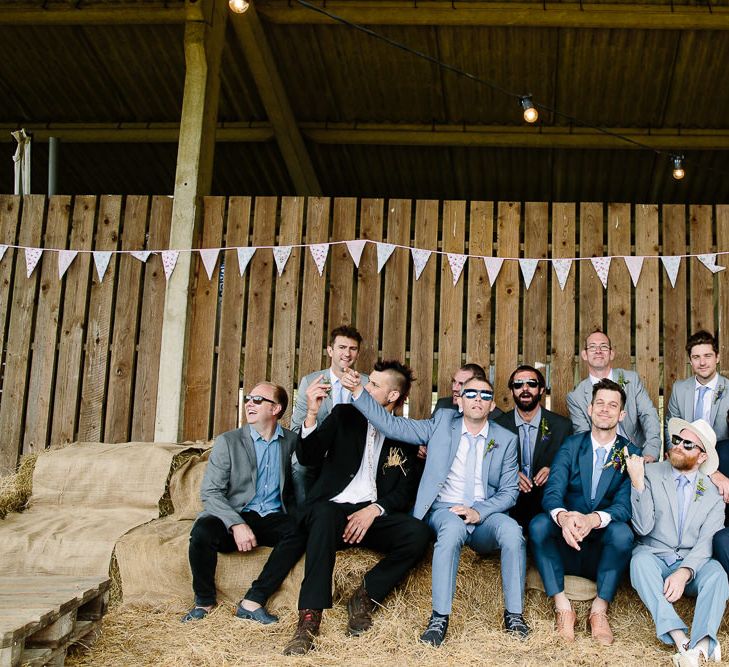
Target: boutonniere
621	380
491	444
395	459
700	489
719	392
544	432
616	459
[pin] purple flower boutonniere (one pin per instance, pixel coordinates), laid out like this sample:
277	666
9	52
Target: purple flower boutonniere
491	444
700	489
718	393
544	432
615	459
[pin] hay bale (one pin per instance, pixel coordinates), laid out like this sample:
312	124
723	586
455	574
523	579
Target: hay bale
16	489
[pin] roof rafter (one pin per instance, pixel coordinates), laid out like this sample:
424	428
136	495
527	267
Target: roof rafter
68	14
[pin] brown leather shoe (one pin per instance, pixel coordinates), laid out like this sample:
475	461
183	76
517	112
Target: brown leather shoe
600	628
565	620
306	630
359	611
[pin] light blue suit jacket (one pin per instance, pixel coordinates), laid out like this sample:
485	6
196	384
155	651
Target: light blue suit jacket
442	434
683	399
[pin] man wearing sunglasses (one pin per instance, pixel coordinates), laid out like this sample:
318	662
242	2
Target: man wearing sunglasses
246	494
676	512
541	433
640	424
469	484
585	529
459	378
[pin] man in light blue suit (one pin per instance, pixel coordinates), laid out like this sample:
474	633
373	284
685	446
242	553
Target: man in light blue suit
469	484
676	512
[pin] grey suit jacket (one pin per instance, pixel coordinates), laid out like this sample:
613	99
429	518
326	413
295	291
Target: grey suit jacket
683	399
640	423
655	516
229	483
299	414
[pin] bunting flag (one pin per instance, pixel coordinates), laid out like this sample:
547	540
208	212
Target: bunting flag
3	249
420	259
635	265
32	256
281	254
65	257
457	262
384	250
709	261
141	255
169	261
493	266
209	258
319	252
672	263
602	268
101	261
355	250
562	269
244	257
528	267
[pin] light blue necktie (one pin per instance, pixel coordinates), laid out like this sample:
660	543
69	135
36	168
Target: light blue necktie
469	489
682	484
699	407
600	454
337	394
526	450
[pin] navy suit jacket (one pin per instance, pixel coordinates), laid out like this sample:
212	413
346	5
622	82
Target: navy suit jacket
570	480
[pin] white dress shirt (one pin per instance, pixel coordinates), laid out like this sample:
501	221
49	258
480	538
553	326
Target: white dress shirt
708	397
453	490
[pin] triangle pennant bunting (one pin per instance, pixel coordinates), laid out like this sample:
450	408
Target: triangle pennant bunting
562	269
281	254
528	268
635	266
672	264
355	250
141	255
169	261
709	261
32	256
65	257
101	261
384	250
602	268
319	252
493	266
209	258
244	257
420	259
457	262
3	249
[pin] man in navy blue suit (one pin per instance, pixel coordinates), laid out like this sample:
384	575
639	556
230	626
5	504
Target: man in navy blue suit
585	529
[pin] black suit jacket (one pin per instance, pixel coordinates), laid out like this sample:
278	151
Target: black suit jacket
338	445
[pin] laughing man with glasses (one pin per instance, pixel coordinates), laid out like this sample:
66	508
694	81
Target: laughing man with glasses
469	484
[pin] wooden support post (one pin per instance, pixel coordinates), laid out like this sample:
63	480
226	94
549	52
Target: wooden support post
203	49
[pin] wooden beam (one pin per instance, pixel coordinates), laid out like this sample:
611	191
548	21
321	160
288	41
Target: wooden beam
260	59
514	14
193	179
65	13
411	134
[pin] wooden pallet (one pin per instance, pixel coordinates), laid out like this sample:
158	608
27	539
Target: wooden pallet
41	616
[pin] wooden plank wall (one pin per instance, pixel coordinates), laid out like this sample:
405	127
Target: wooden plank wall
79	355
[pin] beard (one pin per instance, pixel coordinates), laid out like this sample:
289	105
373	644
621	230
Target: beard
527	402
680	462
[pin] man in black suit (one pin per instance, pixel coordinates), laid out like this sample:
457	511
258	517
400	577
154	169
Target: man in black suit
540	432
363	496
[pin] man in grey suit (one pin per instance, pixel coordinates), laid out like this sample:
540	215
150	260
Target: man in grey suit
246	492
459	378
343	349
640	424
469	484
676	511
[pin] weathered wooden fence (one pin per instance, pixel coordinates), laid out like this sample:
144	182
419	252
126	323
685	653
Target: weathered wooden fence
81	357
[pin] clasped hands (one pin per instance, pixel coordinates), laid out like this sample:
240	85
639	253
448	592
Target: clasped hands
540	479
577	526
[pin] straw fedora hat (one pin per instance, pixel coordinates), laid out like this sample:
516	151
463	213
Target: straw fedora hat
707	436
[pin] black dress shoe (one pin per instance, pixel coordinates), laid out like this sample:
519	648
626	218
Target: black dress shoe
436	631
516	625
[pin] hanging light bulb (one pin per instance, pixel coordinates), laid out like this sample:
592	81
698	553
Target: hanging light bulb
530	111
678	171
238	6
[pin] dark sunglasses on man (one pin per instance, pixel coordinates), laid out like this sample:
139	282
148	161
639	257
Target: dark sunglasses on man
531	382
686	444
485	394
257	400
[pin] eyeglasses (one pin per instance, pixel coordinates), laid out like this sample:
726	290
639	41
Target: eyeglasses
257	400
518	384
602	348
485	394
686	444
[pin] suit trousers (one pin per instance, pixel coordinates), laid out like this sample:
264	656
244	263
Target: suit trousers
497	532
209	537
603	557
303	478
720	545
709	587
528	505
401	537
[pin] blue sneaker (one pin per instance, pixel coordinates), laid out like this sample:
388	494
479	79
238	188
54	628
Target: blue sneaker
195	614
436	631
260	615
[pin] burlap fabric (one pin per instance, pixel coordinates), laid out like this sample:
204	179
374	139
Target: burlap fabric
85	497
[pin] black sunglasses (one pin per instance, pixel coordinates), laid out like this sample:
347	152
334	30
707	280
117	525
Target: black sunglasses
485	394
687	444
518	384
257	400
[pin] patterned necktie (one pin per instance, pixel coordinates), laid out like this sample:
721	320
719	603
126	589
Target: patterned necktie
370	458
699	407
469	489
600	454
526	450
682	484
